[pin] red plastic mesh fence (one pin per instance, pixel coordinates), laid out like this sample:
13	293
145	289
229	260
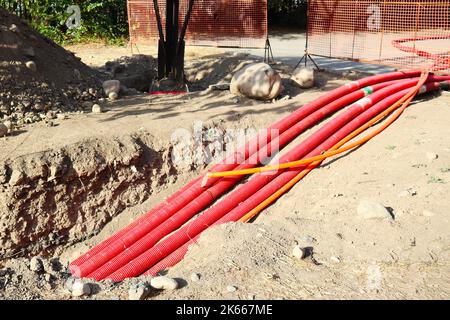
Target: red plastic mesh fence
219	23
404	34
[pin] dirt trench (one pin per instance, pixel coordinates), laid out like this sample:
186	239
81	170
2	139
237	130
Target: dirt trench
67	195
62	196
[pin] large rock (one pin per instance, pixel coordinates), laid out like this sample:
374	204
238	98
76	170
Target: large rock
304	77
257	81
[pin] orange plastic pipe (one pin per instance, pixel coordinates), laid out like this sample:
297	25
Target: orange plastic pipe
406	100
334	151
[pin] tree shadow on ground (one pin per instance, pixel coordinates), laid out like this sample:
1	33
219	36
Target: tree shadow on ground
164	108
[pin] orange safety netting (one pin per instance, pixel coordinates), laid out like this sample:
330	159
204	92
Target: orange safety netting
404	34
220	23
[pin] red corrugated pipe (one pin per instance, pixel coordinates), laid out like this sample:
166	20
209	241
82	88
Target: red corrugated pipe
184	214
194	190
190	232
285	122
241	194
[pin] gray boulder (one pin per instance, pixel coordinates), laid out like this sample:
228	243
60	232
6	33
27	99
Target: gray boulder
257	81
304	77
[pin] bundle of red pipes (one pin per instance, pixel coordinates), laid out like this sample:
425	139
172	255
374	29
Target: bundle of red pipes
160	238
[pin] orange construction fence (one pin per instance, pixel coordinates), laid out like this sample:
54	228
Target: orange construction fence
403	34
219	23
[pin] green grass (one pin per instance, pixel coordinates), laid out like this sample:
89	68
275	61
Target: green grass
390	147
434	179
103	21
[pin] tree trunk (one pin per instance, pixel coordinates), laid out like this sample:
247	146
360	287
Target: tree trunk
171	47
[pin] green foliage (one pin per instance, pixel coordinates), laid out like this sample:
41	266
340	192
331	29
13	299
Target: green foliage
286	13
104	19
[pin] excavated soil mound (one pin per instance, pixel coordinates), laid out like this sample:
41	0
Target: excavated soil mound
37	75
133	72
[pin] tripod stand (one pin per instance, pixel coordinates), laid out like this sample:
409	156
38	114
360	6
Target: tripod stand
268	54
307	56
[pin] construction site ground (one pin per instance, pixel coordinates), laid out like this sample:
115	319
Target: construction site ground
123	168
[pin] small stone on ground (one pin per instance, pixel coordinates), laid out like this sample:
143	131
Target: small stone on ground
164	283
232	288
80	288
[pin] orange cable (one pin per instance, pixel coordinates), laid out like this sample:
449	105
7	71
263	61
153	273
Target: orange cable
331	152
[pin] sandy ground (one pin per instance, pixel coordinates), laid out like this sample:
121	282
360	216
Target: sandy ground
405	257
96	54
